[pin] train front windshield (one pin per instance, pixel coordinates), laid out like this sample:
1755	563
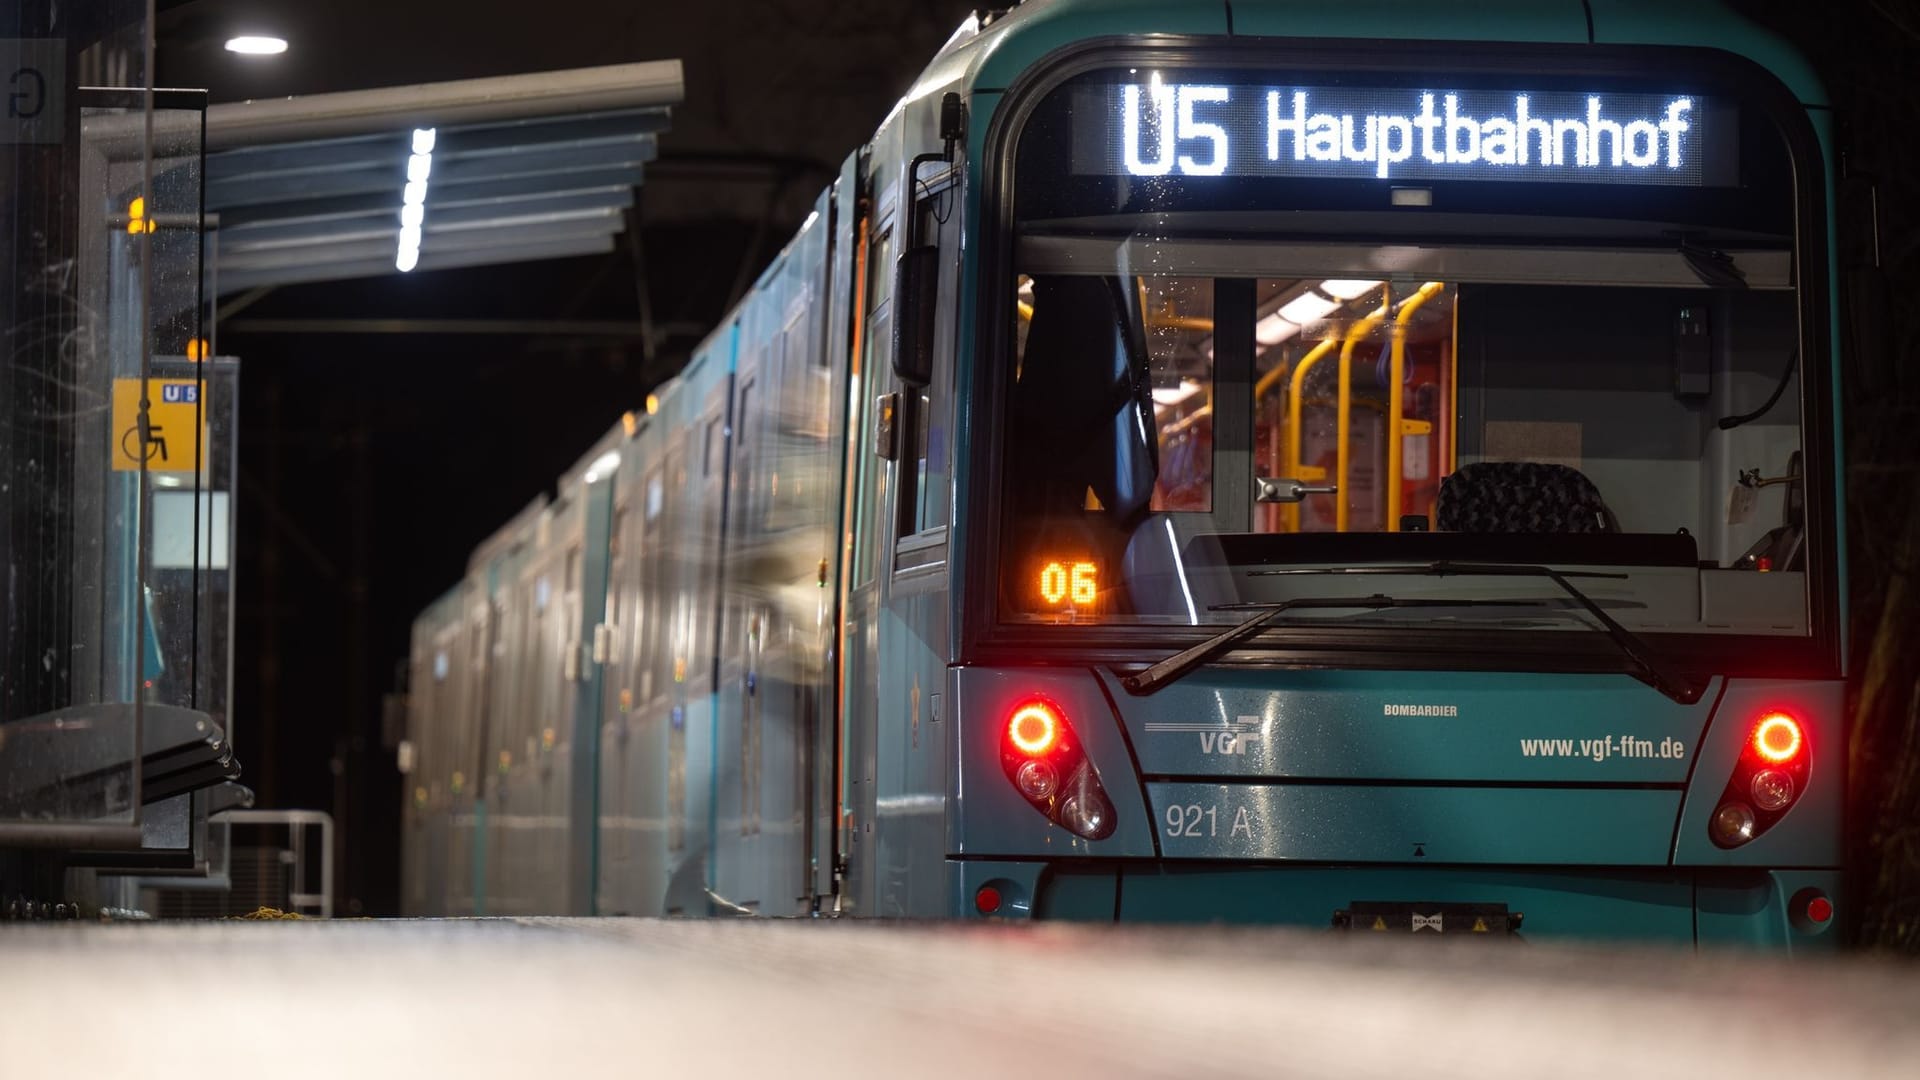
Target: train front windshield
1265	334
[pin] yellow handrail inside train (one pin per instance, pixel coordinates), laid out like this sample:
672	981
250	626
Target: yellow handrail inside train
1295	444
1396	407
1341	451
1187	421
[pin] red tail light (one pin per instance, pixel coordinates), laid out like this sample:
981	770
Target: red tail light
1777	738
1038	750
1034	728
1767	780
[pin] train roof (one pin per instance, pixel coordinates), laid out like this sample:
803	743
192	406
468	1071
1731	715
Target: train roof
990	56
507	536
446	608
603	457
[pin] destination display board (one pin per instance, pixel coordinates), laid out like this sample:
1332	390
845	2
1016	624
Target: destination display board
1164	128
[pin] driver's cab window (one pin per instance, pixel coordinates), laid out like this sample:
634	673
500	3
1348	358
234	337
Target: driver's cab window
1406	406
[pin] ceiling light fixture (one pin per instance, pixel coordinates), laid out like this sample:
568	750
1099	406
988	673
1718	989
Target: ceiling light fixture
413	200
257	45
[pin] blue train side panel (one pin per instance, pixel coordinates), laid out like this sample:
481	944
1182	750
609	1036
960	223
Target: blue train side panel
780	515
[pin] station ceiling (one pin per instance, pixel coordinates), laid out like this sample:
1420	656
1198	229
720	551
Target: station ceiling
501	170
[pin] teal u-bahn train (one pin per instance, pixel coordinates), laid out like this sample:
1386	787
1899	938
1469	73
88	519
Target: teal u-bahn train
1365	465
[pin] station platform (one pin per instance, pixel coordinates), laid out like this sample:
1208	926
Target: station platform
527	998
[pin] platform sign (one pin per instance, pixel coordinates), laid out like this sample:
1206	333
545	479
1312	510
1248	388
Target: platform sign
176	418
33	86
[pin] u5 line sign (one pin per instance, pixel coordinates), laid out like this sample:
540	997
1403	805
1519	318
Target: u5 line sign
1162	129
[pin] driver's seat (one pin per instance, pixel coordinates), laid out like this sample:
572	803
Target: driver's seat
1521	497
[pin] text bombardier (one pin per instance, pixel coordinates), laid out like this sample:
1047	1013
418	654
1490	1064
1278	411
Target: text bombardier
1437	133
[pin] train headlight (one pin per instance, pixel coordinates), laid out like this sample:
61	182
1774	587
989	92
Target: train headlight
1772	789
1732	825
1087	814
1036	780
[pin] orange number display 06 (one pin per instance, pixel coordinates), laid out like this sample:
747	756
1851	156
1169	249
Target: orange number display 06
1078	581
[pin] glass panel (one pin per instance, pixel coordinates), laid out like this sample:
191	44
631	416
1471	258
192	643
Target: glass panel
1522	373
190	578
929	415
101	289
1179	322
871	487
1313	336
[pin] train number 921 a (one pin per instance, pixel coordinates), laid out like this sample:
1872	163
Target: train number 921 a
1194	820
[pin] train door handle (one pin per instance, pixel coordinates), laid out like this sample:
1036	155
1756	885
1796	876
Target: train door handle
1285	489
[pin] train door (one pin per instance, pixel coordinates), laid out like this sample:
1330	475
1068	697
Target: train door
842	296
423	863
516	883
450	711
807	510
663	680
785	669
868	529
529	876
513	603
467	752
593	583
738	690
614	652
913	728
655	742
548	746
694	877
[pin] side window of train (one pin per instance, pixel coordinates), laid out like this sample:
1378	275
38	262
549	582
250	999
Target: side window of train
790	453
707	529
648	631
925	448
870	490
746	439
616	561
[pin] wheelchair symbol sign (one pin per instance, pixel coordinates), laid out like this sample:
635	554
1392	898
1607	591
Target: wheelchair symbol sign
174	425
156	452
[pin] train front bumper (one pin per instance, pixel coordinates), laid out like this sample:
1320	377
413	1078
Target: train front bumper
1703	906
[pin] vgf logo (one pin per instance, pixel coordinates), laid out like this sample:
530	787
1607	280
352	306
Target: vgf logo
1234	739
1222	740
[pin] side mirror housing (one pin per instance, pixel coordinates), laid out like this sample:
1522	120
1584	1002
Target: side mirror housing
916	282
916	292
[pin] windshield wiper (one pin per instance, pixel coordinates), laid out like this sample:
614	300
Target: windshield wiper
1173	667
1644	666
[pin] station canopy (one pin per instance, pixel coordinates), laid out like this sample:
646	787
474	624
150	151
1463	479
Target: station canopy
516	168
